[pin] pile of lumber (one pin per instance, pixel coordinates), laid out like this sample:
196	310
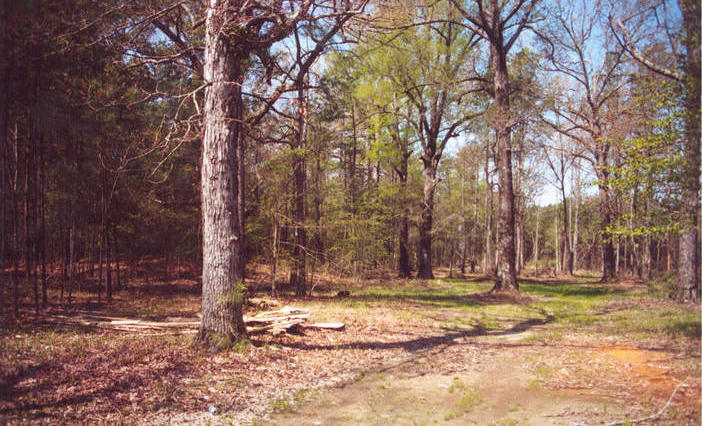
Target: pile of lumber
276	322
285	319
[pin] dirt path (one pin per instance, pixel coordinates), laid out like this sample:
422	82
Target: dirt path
505	380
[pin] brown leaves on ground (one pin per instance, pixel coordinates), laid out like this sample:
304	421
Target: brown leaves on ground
62	373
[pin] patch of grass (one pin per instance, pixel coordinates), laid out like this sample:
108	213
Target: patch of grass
654	322
508	422
533	384
241	346
662	286
469	400
685	327
572	290
543	371
301	395
450	416
281	405
457	384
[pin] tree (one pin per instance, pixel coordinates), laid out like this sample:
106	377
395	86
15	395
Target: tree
633	29
500	25
559	162
299	74
588	116
234	32
427	60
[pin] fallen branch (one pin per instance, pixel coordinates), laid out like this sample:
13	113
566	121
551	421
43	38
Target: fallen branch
654	416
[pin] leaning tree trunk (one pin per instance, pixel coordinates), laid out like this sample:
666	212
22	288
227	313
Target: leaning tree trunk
506	270
426	221
688	285
222	241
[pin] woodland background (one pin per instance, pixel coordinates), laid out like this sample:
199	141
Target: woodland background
381	141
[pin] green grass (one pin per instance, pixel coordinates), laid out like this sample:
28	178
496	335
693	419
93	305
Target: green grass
281	405
582	305
469	399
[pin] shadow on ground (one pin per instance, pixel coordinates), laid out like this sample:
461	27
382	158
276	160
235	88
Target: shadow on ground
448	338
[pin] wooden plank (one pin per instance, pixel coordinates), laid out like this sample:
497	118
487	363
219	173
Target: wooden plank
337	326
275	326
256	320
287	310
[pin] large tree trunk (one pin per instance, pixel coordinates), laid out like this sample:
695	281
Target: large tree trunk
688	286
3	197
4	158
426	221
506	271
222	267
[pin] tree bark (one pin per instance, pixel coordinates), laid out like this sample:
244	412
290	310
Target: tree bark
688	286
222	267
4	158
506	271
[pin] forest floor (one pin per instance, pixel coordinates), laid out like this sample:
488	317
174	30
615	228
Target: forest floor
413	352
